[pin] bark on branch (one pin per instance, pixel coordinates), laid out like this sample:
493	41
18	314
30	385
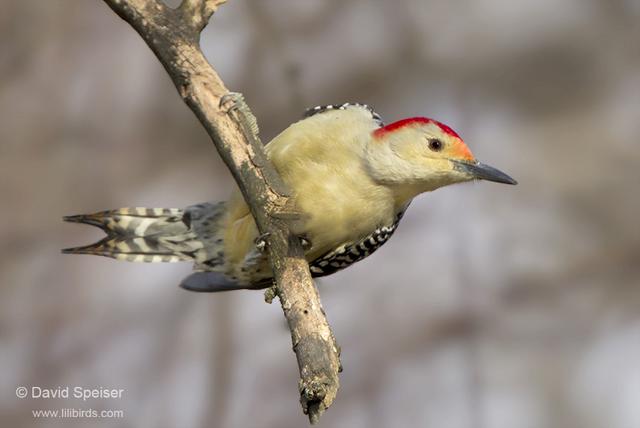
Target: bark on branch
173	35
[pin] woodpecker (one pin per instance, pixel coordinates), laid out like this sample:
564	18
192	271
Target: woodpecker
352	179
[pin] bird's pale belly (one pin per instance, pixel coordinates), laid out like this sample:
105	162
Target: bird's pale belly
341	224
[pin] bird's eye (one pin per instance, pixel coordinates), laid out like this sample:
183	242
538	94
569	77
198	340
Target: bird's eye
435	144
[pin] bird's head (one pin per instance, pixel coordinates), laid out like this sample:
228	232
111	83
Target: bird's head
419	154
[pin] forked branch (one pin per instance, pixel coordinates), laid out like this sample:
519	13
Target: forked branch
173	35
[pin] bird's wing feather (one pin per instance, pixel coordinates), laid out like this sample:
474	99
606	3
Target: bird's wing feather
323	108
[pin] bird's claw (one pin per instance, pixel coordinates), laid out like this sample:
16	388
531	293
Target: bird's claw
233	102
271	293
261	242
233	98
305	242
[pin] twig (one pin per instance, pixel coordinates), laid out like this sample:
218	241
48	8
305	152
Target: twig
173	35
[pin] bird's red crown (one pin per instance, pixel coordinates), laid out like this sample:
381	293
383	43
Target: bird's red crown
411	121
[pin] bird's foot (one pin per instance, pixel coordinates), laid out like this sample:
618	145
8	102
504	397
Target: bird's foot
261	242
271	293
233	102
305	242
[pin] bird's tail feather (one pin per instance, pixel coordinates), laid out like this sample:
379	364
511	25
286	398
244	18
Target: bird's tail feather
165	235
140	235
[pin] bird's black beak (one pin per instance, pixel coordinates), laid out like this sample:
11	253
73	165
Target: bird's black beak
480	171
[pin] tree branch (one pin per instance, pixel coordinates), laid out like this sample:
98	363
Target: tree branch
173	35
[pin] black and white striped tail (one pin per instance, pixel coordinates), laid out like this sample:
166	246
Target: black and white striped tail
140	235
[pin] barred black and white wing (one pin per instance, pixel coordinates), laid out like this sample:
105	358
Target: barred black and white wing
329	107
347	254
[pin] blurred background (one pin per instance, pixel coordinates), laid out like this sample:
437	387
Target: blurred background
492	306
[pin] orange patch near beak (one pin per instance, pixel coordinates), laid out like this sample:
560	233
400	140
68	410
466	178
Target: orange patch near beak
461	151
